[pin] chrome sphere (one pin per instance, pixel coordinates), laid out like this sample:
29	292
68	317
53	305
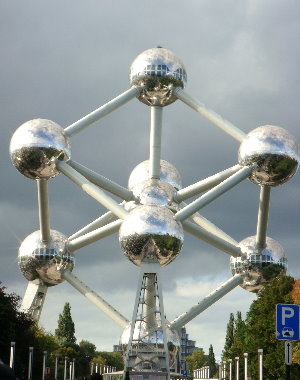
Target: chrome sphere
35	145
155	192
45	261
154	340
149	233
158	71
168	173
261	265
273	151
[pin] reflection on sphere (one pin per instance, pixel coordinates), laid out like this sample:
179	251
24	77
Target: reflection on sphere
149	233
273	152
158	71
45	260
261	265
34	147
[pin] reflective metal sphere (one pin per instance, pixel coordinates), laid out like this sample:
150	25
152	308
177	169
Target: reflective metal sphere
155	339
45	261
155	192
151	234
168	173
35	145
158	70
261	264
275	153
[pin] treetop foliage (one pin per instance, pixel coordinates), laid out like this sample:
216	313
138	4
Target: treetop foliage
65	332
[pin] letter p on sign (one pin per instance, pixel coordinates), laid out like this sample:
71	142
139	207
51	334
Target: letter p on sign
287	312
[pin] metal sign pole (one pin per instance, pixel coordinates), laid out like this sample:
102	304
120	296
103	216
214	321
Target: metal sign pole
288	359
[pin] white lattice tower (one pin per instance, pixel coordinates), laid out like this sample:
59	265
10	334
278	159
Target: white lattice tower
147	346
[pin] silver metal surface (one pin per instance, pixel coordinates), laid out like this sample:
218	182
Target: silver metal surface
92	189
102	111
210	227
97	223
35	145
168	173
213	194
261	265
93	297
206	184
273	151
45	260
212	239
209	300
42	187
155	192
155	339
209	114
93	236
155	141
150	233
262	218
157	71
101	181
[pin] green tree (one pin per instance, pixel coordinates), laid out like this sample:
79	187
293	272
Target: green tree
238	349
198	359
229	338
87	348
211	361
87	351
65	332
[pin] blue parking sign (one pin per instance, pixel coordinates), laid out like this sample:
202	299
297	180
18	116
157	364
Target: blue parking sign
287	322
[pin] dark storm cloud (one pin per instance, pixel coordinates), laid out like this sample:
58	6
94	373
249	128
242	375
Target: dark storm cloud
62	59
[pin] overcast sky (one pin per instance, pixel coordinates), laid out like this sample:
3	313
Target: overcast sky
62	59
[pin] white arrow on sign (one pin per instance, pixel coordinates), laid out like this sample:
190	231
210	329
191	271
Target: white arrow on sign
288	352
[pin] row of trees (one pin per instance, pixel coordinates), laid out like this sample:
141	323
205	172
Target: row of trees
19	328
257	331
198	359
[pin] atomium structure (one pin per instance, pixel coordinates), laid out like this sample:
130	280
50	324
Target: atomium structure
152	217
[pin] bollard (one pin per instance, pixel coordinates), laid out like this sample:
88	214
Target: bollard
260	364
44	364
30	363
230	369
92	368
237	368
70	369
56	366
73	369
246	366
224	371
12	355
65	368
